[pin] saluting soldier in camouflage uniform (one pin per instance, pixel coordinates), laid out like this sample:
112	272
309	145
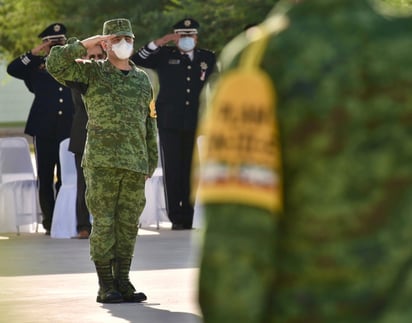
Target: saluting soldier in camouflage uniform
120	150
339	249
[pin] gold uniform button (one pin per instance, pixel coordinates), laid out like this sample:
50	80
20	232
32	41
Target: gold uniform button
61	100
60	112
189	67
187	102
188	78
60	89
188	90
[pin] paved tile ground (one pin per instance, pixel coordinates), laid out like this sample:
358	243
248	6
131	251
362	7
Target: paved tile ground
53	280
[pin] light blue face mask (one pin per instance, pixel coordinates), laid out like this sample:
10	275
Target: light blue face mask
186	44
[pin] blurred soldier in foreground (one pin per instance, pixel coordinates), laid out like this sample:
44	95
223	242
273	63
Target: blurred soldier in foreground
309	208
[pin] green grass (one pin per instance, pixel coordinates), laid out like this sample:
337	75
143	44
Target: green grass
12	124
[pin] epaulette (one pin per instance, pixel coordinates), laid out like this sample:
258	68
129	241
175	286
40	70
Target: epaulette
205	50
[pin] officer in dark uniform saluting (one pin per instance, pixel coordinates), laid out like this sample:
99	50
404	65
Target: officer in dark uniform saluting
78	134
50	115
182	71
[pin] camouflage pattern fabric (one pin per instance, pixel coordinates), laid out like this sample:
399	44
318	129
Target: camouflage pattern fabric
116	199
118	27
121	133
340	250
238	264
120	148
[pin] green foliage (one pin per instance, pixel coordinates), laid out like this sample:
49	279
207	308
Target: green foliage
399	2
22	20
17	30
220	20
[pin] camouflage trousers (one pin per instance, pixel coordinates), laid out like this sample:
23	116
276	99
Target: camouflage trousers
115	198
238	266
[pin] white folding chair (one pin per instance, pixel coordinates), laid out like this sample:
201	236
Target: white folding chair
198	207
64	215
18	187
154	211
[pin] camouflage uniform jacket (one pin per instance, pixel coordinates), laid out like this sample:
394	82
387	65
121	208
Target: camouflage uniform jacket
121	133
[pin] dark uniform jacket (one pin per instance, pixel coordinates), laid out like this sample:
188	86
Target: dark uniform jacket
181	81
51	112
78	131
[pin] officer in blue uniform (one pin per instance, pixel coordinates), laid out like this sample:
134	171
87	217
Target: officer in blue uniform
182	70
50	115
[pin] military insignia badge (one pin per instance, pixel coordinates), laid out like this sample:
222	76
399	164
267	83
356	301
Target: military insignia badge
56	28
152	109
173	61
242	156
241	161
187	23
203	68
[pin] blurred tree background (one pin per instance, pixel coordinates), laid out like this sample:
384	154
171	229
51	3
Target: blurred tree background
22	20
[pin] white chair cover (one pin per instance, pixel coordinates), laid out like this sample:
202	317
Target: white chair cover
154	211
198	207
19	207
64	215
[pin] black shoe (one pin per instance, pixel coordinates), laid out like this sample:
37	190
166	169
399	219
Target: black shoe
134	298
129	292
109	296
83	234
176	226
47	233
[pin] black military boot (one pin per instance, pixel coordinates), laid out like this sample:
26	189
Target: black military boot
107	292
121	269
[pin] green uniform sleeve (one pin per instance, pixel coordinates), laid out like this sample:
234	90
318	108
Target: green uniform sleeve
61	62
151	139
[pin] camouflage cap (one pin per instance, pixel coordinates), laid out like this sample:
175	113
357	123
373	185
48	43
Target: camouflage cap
118	27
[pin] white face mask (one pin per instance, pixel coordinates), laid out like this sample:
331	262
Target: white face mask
186	44
122	49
